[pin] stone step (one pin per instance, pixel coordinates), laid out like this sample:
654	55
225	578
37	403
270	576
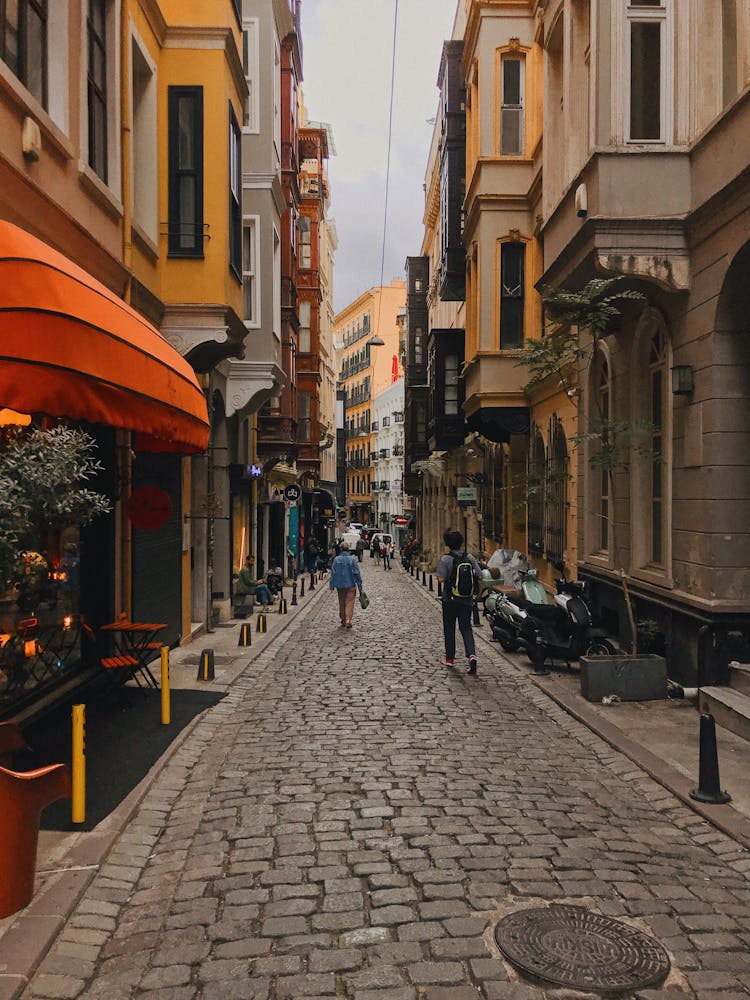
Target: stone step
739	677
730	709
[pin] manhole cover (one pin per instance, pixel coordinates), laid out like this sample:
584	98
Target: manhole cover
570	946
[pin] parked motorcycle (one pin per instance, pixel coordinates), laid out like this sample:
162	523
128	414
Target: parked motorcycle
275	580
561	629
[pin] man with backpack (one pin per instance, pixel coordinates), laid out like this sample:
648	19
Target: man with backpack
459	574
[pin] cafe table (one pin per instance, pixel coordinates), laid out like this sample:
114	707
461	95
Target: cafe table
135	641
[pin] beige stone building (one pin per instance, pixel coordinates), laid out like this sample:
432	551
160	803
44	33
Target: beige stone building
645	174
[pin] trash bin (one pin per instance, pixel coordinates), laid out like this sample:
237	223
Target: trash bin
23	795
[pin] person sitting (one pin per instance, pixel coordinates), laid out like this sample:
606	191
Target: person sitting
263	594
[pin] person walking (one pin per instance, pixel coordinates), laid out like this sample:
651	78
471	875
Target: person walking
346	578
360	548
459	574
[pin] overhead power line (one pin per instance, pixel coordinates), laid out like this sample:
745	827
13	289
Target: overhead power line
388	160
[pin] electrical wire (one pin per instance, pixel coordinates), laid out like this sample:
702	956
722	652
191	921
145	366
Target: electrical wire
388	163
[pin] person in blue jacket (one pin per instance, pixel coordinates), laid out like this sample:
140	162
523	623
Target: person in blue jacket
346	578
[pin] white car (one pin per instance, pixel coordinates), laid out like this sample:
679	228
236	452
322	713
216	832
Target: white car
354	526
378	538
351	538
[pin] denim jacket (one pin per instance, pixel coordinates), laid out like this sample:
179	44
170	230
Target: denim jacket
345	572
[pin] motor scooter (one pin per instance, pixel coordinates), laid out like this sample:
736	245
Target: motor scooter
275	580
561	629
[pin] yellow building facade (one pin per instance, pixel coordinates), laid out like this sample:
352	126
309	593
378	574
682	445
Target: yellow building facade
366	368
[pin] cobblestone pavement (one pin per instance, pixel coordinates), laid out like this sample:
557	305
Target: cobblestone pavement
353	819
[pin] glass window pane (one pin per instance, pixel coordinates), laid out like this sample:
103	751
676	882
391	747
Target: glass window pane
186	213
34	55
510	132
10	35
645	80
186	133
511	81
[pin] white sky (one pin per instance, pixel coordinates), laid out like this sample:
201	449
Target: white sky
347	46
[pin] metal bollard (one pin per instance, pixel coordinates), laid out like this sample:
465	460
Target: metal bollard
262	626
476	621
282	605
430	583
424	579
440	589
206	670
78	765
293	603
246	636
709	786
166	706
302	588
312	582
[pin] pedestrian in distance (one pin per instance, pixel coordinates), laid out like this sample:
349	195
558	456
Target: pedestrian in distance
311	556
386	551
460	575
360	549
346	578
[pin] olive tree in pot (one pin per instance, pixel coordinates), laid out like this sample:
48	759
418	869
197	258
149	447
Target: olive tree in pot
43	489
579	320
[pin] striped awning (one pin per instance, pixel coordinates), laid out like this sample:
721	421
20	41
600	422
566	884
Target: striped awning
71	348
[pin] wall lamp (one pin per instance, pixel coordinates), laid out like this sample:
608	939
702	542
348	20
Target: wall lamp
683	381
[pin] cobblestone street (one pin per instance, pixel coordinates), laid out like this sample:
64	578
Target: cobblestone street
353	819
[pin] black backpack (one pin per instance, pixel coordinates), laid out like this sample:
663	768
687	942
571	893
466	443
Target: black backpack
462	582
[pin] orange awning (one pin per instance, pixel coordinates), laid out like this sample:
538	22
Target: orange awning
71	348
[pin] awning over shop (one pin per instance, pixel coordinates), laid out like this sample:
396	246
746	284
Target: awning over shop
69	347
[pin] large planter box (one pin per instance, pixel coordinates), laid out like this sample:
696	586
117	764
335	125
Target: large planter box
631	678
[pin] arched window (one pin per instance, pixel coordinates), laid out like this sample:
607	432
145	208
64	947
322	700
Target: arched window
557	492
651	456
657	369
535	491
603	407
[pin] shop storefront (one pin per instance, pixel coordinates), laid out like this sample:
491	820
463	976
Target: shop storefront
74	357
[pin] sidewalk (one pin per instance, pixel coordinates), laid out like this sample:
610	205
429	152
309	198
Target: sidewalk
661	737
67	862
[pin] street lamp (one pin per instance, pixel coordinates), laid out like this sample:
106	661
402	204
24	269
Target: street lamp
375	341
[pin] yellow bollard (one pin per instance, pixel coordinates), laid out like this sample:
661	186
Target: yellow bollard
78	804
165	705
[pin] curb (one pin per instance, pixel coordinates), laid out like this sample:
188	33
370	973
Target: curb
730	822
33	930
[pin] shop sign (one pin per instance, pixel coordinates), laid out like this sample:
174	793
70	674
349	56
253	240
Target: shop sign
399	519
149	508
292	492
466	495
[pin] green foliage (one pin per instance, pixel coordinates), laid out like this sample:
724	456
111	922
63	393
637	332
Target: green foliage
43	476
613	441
594	309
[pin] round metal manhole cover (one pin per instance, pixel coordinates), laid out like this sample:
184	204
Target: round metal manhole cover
570	946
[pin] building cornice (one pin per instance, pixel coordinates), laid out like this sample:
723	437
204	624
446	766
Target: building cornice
190	36
249	384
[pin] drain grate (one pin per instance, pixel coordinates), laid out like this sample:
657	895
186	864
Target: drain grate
570	946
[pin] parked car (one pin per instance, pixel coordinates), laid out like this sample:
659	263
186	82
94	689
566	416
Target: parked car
378	538
351	538
354	526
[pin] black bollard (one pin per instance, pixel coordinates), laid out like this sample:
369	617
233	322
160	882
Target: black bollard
312	582
293	603
424	579
206	665
430	584
440	589
538	659
261	626
246	638
475	619
302	588
282	606
709	786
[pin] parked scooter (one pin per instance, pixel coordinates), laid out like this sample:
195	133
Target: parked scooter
561	629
